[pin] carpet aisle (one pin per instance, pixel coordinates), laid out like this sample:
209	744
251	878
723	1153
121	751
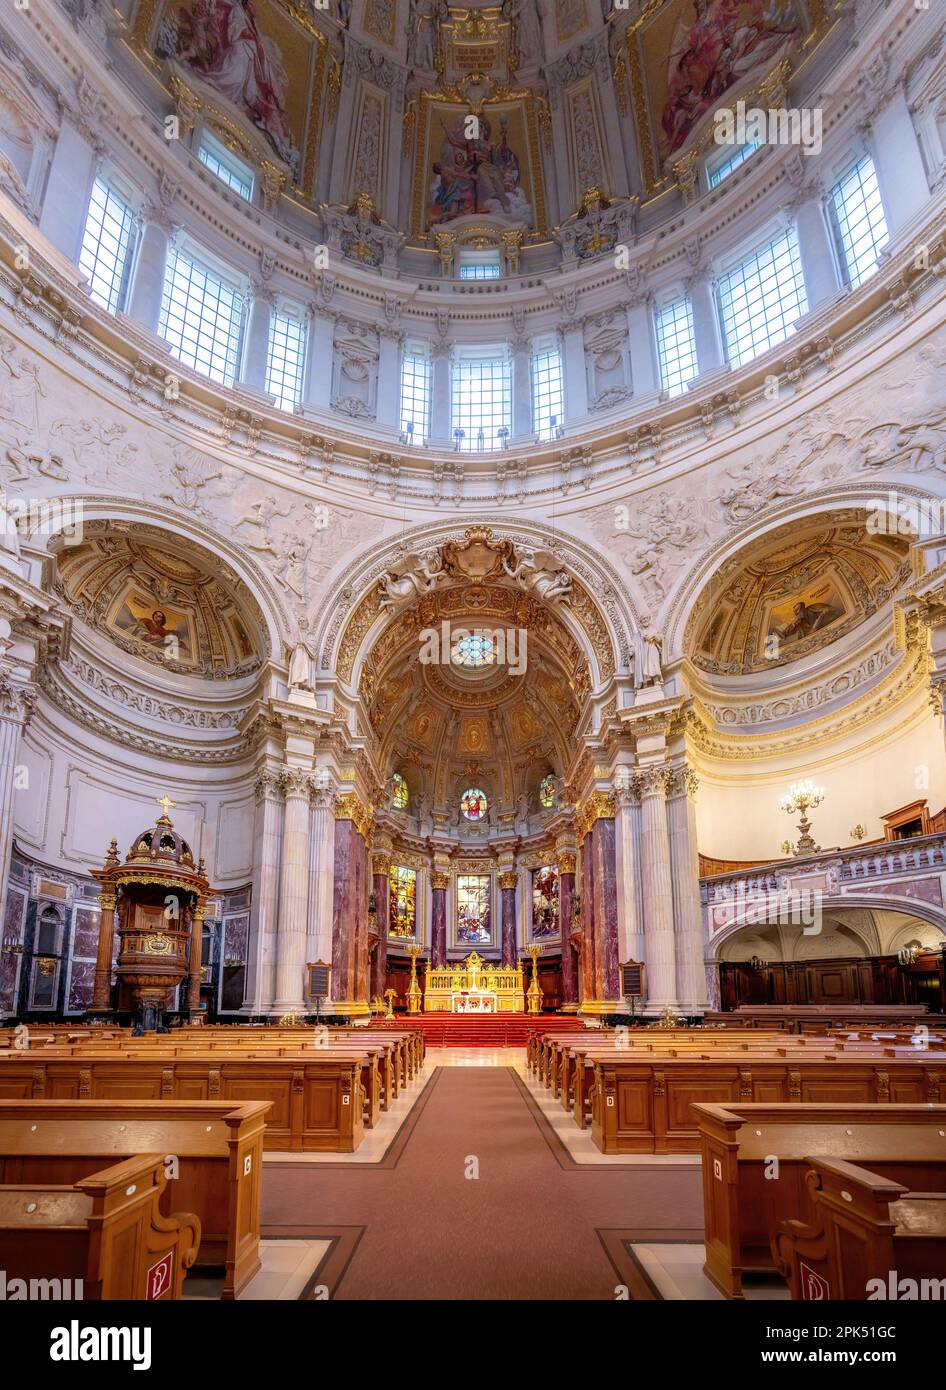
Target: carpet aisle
526	1228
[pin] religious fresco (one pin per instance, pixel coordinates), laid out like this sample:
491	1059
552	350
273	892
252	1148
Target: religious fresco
402	919
265	64
545	903
687	56
804	613
474	910
494	174
155	626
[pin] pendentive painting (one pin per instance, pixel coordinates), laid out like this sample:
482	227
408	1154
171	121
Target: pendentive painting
490	174
693	52
162	628
545	899
248	53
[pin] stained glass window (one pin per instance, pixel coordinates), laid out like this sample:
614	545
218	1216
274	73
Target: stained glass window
473	909
475	650
547	791
399	792
403	892
473	803
545	901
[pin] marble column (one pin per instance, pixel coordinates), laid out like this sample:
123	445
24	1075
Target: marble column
600	982
195	963
687	909
350	918
818	261
267	850
523	426
259	321
439	883
381	870
293	894
657	886
68	188
147	287
896	153
507	890
706	332
566	892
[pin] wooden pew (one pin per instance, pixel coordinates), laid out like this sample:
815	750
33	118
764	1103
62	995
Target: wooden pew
745	1199
218	1148
644	1106
105	1229
869	1236
317	1097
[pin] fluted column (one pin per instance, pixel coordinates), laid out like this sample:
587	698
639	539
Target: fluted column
321	875
688	913
898	161
68	185
267	851
381	871
566	892
630	926
147	286
16	705
439	883
657	890
507	889
195	962
640	331
317	391
293	893
259	322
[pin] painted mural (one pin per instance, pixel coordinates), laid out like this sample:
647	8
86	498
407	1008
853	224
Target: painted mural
489	174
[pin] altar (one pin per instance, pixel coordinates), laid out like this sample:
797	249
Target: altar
483	1002
474	986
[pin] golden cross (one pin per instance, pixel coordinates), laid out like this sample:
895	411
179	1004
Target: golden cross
166	802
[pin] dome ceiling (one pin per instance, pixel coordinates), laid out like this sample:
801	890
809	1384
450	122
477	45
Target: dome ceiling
799	591
162	600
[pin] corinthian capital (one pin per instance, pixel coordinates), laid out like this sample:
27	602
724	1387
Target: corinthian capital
16	700
654	781
295	781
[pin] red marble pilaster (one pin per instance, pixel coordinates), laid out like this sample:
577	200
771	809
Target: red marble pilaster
379	959
566	889
507	891
438	920
350	916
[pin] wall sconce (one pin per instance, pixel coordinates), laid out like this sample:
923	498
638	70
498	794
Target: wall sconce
907	954
755	963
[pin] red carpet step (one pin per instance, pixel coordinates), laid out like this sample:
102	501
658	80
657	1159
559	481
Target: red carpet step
488	1030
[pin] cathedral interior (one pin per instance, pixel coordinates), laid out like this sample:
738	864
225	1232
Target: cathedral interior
473	572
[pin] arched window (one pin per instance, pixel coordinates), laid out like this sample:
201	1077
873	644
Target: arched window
399	792
547	791
474	651
473	803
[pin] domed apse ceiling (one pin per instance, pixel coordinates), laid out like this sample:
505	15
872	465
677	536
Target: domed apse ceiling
671	65
163	600
798	591
498	721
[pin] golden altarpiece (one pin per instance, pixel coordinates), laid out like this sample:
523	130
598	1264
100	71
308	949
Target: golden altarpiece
160	897
474	986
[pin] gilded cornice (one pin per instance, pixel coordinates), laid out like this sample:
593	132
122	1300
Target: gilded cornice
349	806
599	806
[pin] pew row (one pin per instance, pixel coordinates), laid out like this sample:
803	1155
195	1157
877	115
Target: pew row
317	1100
871	1238
641	1106
217	1148
104	1229
746	1196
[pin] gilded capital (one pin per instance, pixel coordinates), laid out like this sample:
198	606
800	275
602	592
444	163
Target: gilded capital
566	863
438	879
508	880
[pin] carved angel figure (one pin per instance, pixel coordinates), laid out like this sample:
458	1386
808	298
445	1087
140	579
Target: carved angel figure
411	577
540	572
